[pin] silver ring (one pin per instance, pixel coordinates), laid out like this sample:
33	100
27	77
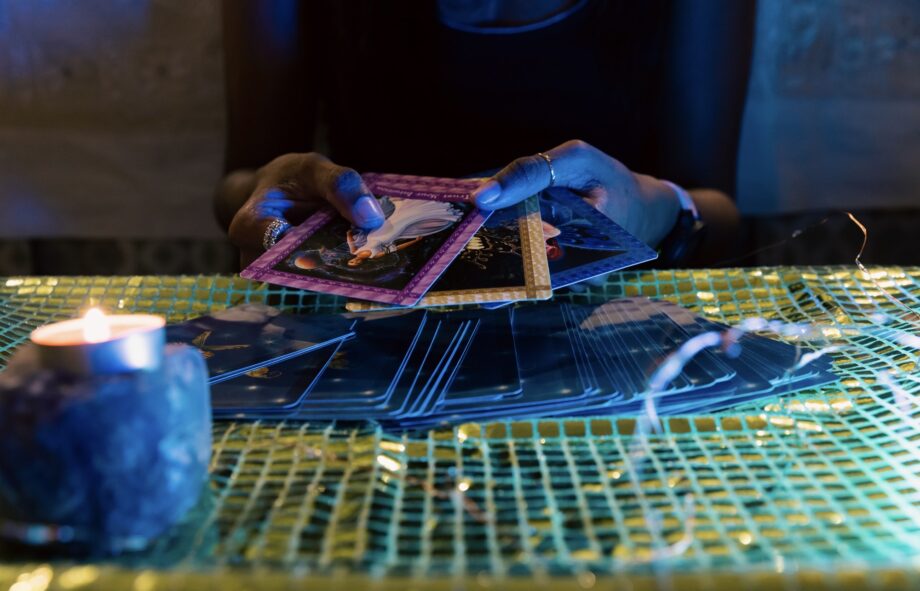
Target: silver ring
552	171
273	232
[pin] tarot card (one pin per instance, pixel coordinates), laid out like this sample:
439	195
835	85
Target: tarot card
774	358
615	356
271	387
420	187
496	305
490	369
505	261
243	338
395	264
659	336
432	377
551	378
407	390
419	384
582	242
365	370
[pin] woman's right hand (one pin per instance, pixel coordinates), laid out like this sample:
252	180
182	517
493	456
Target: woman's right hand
291	187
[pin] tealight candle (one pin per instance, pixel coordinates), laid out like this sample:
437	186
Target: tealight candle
105	433
97	344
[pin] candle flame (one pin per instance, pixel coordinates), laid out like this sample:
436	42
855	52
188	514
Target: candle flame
96	326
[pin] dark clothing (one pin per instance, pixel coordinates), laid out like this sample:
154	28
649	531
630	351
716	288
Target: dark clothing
657	84
417	97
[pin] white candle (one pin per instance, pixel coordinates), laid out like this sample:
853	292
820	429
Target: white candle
100	344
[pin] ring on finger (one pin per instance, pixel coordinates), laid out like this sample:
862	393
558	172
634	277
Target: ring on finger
552	171
273	232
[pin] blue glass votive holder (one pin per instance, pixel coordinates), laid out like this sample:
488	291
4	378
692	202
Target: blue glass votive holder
102	452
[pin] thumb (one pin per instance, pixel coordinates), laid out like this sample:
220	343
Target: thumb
572	164
344	189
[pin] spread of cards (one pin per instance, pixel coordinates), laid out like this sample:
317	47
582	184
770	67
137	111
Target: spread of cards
399	358
436	248
420	368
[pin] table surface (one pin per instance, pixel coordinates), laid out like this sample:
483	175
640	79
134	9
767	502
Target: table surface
819	487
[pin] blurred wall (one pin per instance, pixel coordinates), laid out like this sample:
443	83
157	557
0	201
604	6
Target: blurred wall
111	118
833	112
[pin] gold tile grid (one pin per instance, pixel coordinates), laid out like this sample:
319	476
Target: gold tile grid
819	488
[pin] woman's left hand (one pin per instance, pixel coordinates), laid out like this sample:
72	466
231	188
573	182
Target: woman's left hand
646	207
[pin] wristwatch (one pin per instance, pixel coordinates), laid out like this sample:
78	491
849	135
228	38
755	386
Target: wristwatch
678	246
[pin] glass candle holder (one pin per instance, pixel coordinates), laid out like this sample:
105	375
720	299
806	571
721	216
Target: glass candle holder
105	447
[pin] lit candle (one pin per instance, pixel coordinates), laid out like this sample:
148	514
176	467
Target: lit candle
97	344
105	433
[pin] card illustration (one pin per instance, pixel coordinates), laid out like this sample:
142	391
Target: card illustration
394	264
504	261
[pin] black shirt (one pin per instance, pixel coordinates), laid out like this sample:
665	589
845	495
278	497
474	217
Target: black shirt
657	84
408	94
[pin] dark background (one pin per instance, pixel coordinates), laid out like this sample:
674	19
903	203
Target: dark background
112	135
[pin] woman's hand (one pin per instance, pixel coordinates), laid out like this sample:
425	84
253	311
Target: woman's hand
290	188
646	207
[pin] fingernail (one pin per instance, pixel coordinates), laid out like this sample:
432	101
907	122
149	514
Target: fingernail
487	194
367	212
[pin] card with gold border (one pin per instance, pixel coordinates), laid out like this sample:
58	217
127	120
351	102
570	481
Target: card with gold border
505	261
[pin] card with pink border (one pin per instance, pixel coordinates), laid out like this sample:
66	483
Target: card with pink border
429	221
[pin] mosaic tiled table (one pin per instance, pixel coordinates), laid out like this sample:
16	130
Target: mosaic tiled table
819	489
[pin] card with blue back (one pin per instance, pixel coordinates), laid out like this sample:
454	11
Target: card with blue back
404	388
367	367
582	242
490	370
272	388
413	369
550	376
246	337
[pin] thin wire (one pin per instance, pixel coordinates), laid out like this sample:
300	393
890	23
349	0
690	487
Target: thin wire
858	260
795	234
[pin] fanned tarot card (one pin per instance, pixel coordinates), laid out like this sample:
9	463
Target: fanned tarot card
505	261
428	223
241	339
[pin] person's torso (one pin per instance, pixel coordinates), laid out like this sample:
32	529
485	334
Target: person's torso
412	95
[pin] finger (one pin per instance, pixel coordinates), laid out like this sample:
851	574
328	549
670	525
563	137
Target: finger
570	162
344	190
312	177
249	225
522	178
281	203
